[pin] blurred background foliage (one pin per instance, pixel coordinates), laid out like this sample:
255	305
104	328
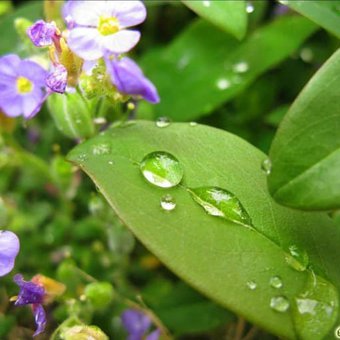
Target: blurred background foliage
67	230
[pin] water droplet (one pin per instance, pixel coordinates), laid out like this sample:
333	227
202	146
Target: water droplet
315	309
223	84
250	7
307	54
193	124
163	122
110	162
82	157
168	203
241	67
251	285
276	282
279	303
100	120
298	259
162	169
206	3
266	166
222	203
183	62
101	149
283	2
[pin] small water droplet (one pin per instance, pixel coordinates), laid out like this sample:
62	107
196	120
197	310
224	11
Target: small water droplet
241	67
193	124
283	2
307	55
222	203
276	282
315	309
101	149
82	157
183	62
279	303
298	259
223	84
251	285
250	7
162	169
110	162
100	120
163	122
206	3
266	166
168	203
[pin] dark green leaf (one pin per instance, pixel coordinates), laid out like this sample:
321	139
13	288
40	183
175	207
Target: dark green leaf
220	258
305	153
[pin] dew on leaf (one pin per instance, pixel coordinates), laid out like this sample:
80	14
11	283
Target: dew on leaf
168	203
223	84
251	285
315	310
222	203
101	149
266	166
241	67
307	55
162	169
163	122
279	303
193	124
298	259
250	7
276	282
206	3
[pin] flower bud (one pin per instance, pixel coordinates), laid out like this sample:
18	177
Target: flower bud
83	332
100	294
71	114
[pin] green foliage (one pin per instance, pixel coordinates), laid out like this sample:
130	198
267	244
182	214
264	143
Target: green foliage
230	16
305	153
216	256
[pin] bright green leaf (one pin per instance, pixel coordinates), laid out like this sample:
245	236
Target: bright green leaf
230	16
220	258
204	67
305	153
325	13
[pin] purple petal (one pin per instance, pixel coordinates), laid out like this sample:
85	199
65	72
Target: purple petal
30	293
154	335
11	106
32	102
57	79
42	33
34	72
40	318
86	43
129	78
121	42
9	249
9	65
128	13
135	322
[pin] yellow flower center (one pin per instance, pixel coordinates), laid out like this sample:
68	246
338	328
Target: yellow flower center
24	85
108	25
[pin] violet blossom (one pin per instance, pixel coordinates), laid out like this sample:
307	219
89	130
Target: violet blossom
43	33
138	325
22	86
127	76
99	27
57	79
9	249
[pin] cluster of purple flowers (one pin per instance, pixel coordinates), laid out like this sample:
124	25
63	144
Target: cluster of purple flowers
95	30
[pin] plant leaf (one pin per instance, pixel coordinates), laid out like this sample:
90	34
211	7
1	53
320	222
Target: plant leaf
325	13
305	153
198	68
230	16
215	255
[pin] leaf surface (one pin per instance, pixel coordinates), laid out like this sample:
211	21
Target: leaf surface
216	256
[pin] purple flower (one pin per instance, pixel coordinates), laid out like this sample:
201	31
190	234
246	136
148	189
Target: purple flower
99	27
33	294
57	79
137	325
127	76
42	33
22	84
9	249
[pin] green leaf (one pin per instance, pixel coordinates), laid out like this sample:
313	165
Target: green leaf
305	153
325	13
204	67
217	256
230	16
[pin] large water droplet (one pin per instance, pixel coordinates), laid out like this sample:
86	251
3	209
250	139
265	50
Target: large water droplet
315	310
279	303
266	166
307	55
206	3
298	259
162	169
163	122
101	149
222	203
223	84
241	67
275	282
251	285
250	7
168	203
